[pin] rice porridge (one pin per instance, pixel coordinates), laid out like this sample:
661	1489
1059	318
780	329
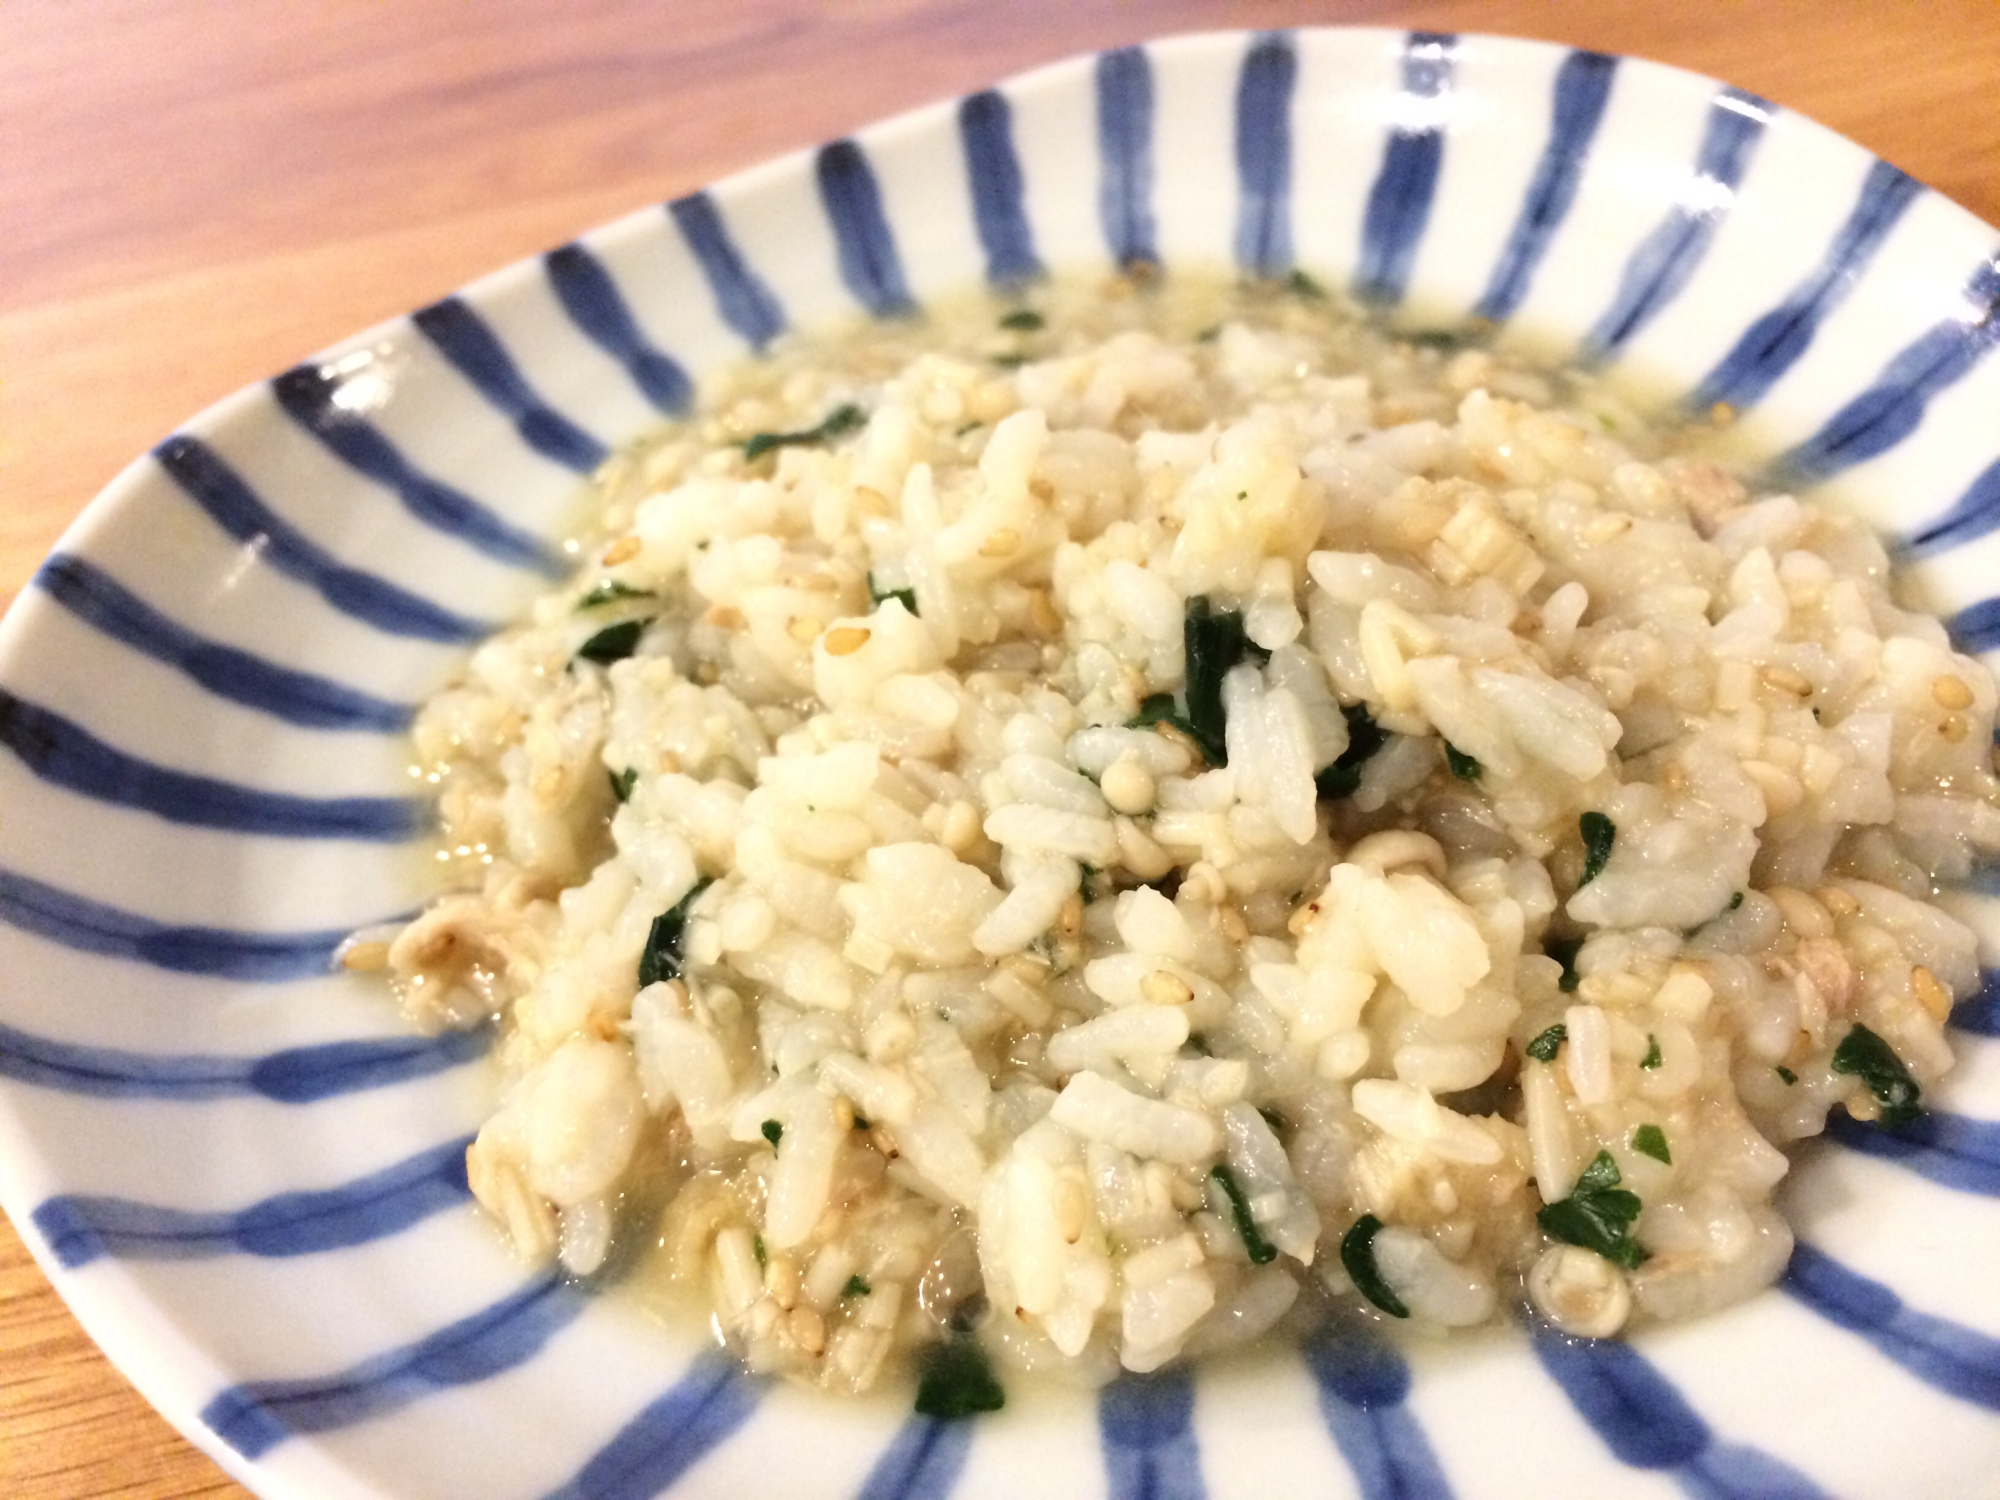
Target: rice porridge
1094	827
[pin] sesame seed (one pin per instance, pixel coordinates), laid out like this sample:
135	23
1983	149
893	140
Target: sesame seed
1951	692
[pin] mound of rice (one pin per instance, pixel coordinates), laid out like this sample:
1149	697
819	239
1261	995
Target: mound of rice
1113	823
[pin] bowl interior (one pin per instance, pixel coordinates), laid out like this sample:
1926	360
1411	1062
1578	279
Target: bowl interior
247	1177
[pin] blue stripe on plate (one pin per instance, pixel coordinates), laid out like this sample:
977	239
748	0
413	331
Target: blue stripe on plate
90	926
1264	156
669	1437
236	508
1666	258
922	1462
594	303
1890	409
1948	1149
67	755
1979	1013
1146	1425
1975	628
999	194
476	352
864	243
1399	204
1944	1355
1773	343
1364	1385
311	397
1582	87
100	601
1647	1423
255	1417
297	1075
1973	515
741	297
1124	84
80	1229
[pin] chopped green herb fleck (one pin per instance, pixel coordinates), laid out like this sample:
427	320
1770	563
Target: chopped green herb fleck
1599	834
1787	1074
1023	320
1605	420
1866	1056
839	422
1544	1047
623	781
1209	334
1597	1215
1600	1174
1215	642
1564	951
857	1286
1262	1251
1463	766
661	957
1650	1140
956	1381
757	1249
612	643
862	1122
968	427
1652	1057
1443	340
1357	1254
1734	902
1299	284
609	591
1364	738
880	595
772	1131
1010	361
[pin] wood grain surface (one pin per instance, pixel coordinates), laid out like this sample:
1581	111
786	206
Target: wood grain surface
195	193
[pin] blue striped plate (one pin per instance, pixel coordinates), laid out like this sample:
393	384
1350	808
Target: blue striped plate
248	1180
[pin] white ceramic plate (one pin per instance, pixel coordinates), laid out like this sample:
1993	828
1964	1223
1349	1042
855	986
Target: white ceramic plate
246	1178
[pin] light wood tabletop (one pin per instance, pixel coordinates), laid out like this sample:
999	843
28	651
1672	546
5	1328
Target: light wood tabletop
195	195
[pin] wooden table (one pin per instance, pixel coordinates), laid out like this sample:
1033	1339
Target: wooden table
195	195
